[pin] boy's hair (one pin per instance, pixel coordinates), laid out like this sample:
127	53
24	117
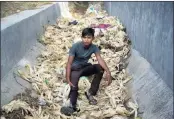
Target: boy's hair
88	32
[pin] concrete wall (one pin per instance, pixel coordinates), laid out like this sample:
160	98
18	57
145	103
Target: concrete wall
154	97
150	27
19	32
19	46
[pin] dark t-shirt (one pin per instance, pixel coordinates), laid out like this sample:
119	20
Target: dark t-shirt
82	55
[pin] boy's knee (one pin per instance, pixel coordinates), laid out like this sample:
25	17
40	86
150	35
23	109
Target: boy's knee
99	68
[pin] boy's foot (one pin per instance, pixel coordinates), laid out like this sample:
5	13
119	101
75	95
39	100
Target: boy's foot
68	111
91	99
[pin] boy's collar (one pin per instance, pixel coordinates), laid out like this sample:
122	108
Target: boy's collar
86	47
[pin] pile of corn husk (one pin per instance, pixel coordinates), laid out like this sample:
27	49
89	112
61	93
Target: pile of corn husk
48	76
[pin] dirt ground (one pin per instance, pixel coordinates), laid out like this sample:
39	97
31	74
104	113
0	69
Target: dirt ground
9	8
78	7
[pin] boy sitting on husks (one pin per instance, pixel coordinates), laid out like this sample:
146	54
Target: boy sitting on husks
78	66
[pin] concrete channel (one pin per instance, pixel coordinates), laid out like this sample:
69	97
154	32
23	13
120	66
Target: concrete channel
149	26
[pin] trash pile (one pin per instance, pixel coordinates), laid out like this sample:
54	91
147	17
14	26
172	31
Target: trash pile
48	76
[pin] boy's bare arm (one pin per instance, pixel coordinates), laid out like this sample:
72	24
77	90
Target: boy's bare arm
104	66
68	69
102	62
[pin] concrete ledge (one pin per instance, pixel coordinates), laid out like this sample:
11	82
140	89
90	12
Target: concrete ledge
19	46
20	32
152	94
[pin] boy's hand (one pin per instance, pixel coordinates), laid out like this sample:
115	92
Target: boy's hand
69	82
108	75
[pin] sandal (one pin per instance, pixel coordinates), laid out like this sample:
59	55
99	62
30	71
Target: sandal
91	99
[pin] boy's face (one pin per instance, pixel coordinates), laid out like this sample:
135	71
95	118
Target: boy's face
87	40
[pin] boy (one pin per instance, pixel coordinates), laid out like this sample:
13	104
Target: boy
78	66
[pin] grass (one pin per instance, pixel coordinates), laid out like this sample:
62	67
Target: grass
9	8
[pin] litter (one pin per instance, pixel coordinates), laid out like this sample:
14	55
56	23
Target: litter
73	22
41	101
101	26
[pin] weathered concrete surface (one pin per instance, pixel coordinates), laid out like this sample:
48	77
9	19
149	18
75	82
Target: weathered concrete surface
12	84
19	46
150	27
154	97
19	32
